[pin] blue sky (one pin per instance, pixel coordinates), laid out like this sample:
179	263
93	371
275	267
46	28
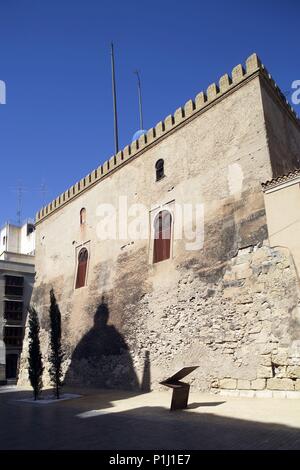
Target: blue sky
57	124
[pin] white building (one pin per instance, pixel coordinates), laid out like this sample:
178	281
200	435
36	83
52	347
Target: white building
16	239
17	244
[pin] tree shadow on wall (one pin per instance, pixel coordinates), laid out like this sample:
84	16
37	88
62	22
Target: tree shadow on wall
102	358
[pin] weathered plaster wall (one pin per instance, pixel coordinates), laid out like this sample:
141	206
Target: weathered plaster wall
283	132
282	211
189	309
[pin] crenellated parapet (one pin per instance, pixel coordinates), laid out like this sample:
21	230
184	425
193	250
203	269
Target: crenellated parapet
192	108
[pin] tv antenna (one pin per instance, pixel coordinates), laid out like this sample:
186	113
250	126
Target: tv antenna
20	190
43	191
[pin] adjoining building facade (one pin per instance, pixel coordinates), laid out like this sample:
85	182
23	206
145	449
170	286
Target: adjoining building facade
162	257
16	282
282	202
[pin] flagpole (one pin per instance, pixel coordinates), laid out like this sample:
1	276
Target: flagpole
114	99
140	99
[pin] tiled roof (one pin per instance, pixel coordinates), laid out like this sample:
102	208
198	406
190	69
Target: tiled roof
281	180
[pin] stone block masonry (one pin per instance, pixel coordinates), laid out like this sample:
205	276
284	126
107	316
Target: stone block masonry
263	304
242	341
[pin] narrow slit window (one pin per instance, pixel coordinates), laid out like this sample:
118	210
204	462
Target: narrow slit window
162	236
82	216
159	168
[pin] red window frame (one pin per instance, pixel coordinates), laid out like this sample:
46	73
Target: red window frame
83	257
162	236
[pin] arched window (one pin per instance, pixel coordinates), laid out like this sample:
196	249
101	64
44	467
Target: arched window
159	168
162	236
81	268
82	216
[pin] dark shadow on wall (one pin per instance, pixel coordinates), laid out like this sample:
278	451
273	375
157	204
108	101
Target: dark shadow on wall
102	357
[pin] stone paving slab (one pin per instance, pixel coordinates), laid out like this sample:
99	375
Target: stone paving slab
125	420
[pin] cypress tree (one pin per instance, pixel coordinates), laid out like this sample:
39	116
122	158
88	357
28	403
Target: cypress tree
35	363
56	353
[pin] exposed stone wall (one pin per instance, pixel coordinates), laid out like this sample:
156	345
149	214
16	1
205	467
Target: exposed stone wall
243	330
263	285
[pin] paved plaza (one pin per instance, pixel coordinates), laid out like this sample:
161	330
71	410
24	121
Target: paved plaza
117	420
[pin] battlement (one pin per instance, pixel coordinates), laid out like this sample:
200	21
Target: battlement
182	115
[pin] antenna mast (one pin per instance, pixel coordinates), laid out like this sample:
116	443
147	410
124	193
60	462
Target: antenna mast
43	191
140	99
114	99
20	191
